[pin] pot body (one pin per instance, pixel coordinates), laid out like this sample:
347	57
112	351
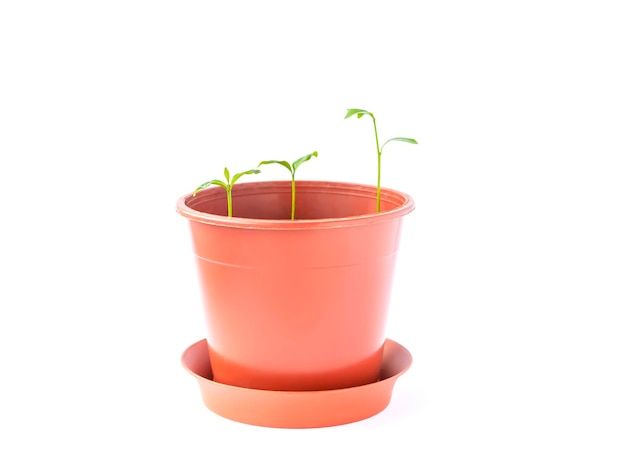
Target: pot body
296	304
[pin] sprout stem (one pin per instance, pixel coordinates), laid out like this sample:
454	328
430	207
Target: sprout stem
293	195
379	153
229	199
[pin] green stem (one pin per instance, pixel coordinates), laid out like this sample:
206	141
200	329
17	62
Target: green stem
379	153
293	196
229	200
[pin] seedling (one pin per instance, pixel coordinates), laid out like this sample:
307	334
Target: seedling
292	169
379	150
228	186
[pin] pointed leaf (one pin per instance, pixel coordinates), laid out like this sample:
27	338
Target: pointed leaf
301	160
227	175
247	172
359	113
284	163
399	139
209	183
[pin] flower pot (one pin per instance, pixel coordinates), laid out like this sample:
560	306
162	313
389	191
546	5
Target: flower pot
296	304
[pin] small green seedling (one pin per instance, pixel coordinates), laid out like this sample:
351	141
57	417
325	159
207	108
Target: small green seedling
228	186
292	169
379	150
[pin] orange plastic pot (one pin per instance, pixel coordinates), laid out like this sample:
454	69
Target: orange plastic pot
296	304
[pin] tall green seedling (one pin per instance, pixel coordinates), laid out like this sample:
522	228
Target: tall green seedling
227	185
292	169
379	150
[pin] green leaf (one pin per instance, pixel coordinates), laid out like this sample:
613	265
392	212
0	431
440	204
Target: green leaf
301	160
247	172
359	113
399	139
227	175
209	183
284	163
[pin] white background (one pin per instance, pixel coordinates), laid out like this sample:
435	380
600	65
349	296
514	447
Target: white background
510	289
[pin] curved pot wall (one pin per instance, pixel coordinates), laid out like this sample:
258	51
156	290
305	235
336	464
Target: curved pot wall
296	305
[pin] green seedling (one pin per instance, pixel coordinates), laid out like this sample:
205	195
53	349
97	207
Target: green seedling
292	169
227	185
379	150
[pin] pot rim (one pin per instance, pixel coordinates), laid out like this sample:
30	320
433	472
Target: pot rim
403	204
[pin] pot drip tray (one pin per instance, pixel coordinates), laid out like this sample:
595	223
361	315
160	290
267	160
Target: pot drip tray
297	409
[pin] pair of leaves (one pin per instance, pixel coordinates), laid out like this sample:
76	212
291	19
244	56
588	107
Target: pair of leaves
293	166
361	112
229	183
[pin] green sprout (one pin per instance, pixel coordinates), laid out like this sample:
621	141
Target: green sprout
379	150
292	169
228	186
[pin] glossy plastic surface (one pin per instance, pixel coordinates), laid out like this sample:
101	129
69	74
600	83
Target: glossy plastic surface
296	305
297	409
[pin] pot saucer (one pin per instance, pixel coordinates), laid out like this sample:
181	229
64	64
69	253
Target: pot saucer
297	409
